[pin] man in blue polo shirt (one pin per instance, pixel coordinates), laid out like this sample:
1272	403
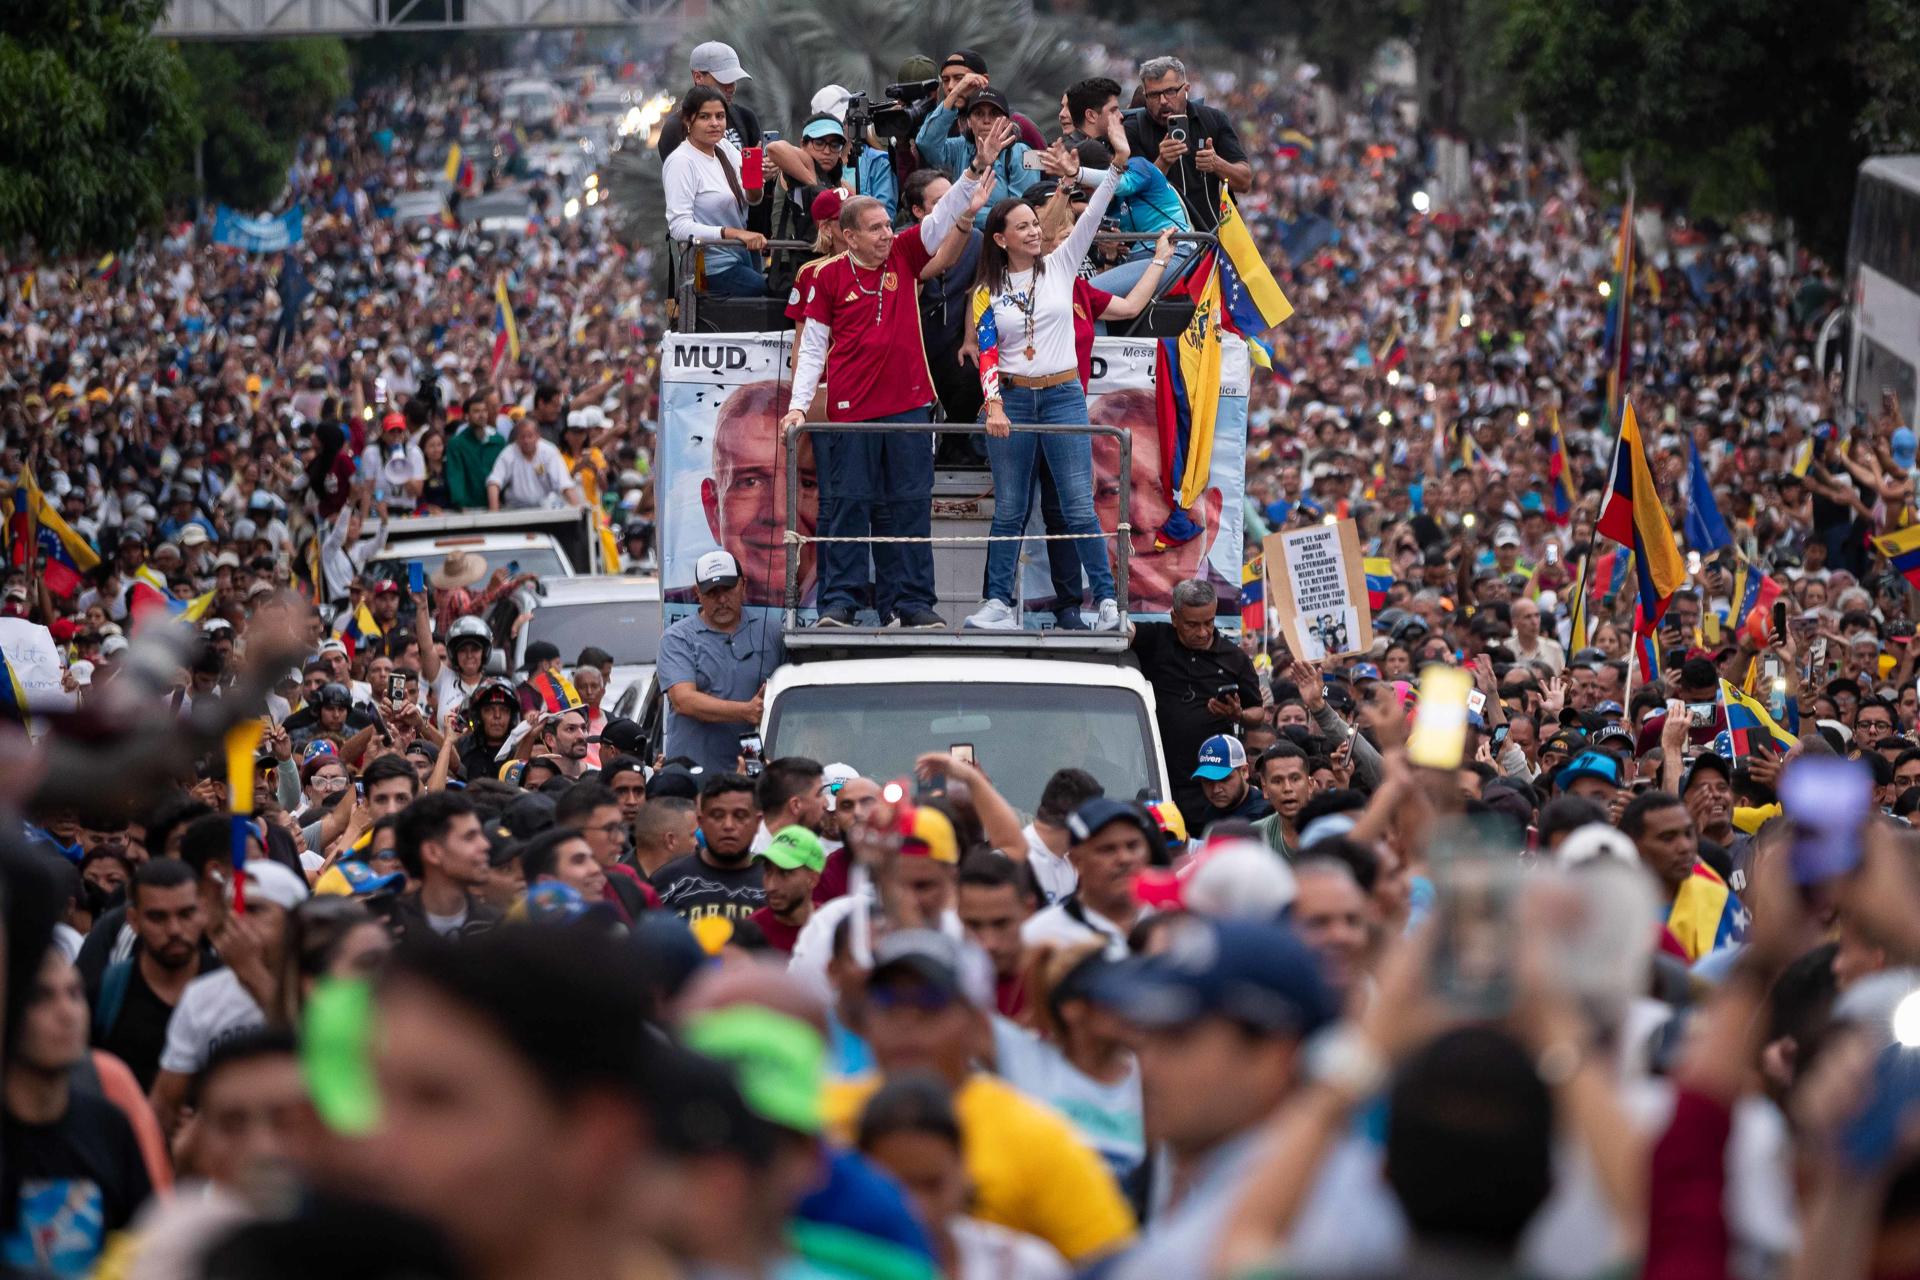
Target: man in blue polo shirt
1222	775
714	666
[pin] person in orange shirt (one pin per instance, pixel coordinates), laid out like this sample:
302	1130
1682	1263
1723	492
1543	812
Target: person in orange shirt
928	998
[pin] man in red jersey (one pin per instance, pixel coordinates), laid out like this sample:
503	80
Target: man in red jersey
864	333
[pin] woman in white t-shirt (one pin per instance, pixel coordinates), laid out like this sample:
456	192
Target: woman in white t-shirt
910	1130
706	202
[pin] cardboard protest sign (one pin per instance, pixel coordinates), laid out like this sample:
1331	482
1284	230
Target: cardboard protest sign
1318	587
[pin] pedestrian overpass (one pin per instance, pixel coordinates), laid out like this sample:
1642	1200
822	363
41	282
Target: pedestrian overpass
275	19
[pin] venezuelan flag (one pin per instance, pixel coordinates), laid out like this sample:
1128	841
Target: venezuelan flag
69	556
1252	298
1379	571
506	334
1746	714
1295	145
359	629
1902	550
452	169
1632	516
555	691
1705	914
1560	477
1253	596
1187	381
987	334
1619	330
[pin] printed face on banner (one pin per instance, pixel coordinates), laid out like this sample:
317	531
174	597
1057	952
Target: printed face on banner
723	469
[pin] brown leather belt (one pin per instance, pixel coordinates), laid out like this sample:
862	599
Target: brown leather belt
1040	384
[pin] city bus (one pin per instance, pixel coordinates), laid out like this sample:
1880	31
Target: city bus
1883	284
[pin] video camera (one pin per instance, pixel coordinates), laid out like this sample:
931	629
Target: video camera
891	121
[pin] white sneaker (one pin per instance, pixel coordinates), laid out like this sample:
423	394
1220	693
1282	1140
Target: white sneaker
994	615
1108	619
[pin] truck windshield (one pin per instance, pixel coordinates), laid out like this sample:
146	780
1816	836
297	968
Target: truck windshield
1019	733
627	629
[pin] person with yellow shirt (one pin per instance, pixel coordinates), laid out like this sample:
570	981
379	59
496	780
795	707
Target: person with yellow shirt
928	998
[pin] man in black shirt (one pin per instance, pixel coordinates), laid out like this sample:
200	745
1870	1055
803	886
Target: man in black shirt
720	877
1211	155
1202	685
73	1172
138	994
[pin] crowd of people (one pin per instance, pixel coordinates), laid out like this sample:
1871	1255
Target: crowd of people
1605	967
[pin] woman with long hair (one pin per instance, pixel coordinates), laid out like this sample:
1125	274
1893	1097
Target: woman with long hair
327	937
706	203
1076	1060
435	494
1029	371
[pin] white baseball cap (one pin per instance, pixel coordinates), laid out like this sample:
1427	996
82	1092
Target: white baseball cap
271	882
832	100
719	61
113	645
1239	880
716	569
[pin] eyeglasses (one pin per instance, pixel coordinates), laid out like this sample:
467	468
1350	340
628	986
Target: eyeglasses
1161	95
608	829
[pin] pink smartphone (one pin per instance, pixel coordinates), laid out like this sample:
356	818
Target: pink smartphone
752	168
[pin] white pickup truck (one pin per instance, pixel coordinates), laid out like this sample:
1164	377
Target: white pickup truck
560	543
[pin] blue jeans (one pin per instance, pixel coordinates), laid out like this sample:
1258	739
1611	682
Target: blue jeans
731	273
1063	560
1070	460
877	485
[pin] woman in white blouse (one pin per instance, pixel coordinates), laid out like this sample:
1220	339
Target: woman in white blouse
1023	314
706	201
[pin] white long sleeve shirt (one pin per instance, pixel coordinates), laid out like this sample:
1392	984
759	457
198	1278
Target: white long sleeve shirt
341	564
700	200
1052	304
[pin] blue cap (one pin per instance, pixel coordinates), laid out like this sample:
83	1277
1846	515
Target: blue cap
1588	764
823	127
1610	708
364	881
1904	446
1220	755
1101	811
1530	503
1253	972
1363	671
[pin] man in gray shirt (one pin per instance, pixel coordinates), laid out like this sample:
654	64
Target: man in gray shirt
714	666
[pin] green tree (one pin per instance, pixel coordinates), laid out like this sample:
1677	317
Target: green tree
1725	105
255	100
97	122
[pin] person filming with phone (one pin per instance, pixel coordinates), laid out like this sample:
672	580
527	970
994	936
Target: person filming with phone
1194	144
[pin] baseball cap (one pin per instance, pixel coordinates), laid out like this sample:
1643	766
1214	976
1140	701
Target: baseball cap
955	967
1596	840
795	847
1904	446
1613	734
1363	671
1239	880
1220	755
1712	762
673	780
333	646
193	536
112	646
966	58
1253	972
778	1061
1588	764
1103	811
622	734
1566	740
826	206
991	97
349	878
716	569
931	836
502	845
717	60
832	778
271	882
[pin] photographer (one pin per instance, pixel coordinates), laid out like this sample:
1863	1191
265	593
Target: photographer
984	109
819	163
964	64
1192	143
1144	202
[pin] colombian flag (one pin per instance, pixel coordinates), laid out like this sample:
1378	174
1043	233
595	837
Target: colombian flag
1705	915
1902	550
1379	572
1632	516
1253	596
506	334
69	556
1187	381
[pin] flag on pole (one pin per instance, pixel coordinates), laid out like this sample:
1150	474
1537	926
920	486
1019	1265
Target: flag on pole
1631	515
1253	595
243	744
69	556
1560	476
1619	328
1706	915
1187	380
555	691
452	169
1577	627
1747	716
506	334
1706	531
